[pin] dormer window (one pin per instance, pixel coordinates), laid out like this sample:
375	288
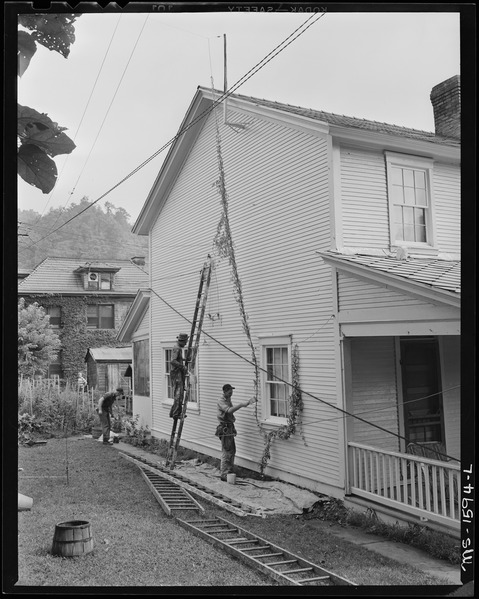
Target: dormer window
100	280
98	277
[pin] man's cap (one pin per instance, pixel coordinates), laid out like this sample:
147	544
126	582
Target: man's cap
119	390
227	387
182	336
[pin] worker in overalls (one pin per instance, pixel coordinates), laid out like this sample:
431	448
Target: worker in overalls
105	411
178	371
226	430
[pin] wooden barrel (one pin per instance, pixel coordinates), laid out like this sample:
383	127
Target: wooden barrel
72	539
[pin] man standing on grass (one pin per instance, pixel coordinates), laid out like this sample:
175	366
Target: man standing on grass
105	410
226	429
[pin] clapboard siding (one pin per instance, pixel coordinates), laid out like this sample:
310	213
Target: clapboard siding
364	198
374	392
447	208
355	293
278	191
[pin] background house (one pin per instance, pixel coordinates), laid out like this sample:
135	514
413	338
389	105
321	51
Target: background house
346	235
87	302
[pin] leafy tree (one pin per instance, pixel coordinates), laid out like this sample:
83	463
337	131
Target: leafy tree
38	343
96	233
39	138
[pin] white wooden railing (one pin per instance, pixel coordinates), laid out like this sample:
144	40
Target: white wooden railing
413	484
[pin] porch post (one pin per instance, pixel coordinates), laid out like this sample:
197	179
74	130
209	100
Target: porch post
348	423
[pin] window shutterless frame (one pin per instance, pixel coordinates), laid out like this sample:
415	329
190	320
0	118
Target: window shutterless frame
275	377
411	199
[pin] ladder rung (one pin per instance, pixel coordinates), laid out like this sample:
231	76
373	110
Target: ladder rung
240	540
288	561
313	579
295	571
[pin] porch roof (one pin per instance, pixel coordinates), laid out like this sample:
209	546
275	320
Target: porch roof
110	354
442	276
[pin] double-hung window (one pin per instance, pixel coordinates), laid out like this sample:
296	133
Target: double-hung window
100	316
55	314
410	200
276	369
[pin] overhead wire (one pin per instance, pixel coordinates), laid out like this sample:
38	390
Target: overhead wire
285	43
84	113
303	392
96	139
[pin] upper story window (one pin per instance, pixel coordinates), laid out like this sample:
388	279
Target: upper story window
410	200
100	316
55	314
276	366
100	280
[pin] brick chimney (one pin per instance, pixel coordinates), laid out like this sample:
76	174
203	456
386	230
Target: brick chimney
446	103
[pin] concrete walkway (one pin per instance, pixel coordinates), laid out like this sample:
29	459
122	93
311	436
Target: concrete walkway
400	552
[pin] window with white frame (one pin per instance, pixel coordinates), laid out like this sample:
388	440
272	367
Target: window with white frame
410	200
168	386
276	368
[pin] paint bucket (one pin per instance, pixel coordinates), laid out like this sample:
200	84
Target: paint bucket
72	539
96	432
231	479
24	503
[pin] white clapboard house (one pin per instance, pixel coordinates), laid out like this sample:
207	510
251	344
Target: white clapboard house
346	239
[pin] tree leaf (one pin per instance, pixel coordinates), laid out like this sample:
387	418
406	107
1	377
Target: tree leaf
36	168
26	49
55	32
39	130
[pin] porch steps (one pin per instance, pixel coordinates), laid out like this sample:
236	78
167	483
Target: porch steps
281	565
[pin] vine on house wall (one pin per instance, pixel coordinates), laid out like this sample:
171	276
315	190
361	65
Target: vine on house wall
74	336
295	408
223	242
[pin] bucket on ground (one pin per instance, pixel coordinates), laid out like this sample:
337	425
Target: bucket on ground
231	478
24	503
96	432
72	539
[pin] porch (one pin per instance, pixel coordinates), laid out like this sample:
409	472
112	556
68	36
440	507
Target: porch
418	485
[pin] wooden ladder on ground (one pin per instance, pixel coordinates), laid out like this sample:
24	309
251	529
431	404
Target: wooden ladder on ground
190	361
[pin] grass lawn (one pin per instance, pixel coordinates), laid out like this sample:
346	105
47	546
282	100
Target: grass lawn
137	544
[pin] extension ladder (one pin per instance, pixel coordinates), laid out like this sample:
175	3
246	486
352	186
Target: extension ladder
190	360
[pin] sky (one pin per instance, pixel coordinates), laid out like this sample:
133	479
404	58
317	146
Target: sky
130	77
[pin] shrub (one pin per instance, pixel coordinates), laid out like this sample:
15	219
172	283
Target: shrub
53	411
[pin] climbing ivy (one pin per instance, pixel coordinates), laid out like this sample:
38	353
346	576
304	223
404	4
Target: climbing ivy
74	336
223	243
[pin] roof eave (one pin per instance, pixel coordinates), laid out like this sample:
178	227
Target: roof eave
179	149
385	141
134	315
401	284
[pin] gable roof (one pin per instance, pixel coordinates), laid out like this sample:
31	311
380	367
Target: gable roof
110	354
350	122
57	275
433	278
384	135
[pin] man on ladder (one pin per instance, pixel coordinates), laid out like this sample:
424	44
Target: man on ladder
178	371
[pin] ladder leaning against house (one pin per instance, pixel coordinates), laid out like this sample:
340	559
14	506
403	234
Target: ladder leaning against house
190	361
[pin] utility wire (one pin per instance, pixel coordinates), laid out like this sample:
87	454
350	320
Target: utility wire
207	111
83	116
344	412
94	143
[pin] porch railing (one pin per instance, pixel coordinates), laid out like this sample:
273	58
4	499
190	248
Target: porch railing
414	484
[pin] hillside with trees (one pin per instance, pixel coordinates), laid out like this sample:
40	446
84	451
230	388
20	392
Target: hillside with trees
98	233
